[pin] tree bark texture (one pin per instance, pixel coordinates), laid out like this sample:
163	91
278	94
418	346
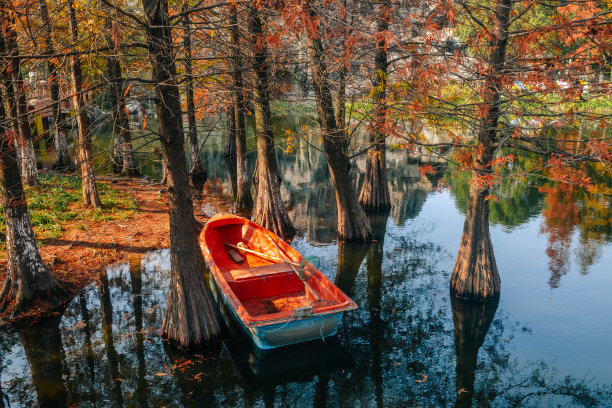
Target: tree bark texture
28	276
472	321
375	191
475	275
191	319
123	153
63	161
197	174
88	176
270	211
352	222
9	47
244	201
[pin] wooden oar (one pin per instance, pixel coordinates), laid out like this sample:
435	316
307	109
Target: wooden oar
292	265
243	248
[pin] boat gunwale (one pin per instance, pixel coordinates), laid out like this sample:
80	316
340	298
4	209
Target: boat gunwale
241	312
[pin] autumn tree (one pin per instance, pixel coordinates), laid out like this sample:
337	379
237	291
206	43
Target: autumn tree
375	192
499	119
191	319
28	276
88	176
197	174
123	155
63	161
16	93
243	197
353	224
270	210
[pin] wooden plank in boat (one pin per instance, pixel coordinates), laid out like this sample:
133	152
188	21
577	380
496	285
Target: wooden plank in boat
236	257
271	269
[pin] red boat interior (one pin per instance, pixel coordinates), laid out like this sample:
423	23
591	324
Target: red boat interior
266	284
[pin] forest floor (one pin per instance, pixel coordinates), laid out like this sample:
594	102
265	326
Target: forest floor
83	246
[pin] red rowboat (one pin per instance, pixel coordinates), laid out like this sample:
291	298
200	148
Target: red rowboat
272	292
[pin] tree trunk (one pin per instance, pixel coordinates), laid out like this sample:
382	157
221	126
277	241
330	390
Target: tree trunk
472	321
270	212
9	47
90	189
63	162
375	192
475	274
123	154
244	200
191	319
28	276
198	175
230	145
352	222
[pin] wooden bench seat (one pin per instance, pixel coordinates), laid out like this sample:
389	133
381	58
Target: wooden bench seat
259	271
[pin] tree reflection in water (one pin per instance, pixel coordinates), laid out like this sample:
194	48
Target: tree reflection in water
44	351
471	321
404	339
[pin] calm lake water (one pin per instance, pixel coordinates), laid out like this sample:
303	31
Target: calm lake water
545	343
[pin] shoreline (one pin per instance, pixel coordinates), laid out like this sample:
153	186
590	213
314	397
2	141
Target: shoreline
86	247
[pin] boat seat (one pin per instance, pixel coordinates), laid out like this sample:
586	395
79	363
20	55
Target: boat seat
259	271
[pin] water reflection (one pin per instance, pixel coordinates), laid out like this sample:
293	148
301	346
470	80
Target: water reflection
44	351
471	321
397	349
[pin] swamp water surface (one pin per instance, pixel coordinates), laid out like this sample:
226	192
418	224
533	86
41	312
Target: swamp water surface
545	343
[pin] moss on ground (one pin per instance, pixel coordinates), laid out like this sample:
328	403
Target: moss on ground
58	200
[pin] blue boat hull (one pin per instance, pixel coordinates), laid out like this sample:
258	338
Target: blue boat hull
272	336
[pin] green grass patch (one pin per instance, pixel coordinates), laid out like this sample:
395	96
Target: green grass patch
56	200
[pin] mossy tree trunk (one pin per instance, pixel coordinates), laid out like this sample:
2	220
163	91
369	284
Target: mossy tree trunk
88	176
475	274
244	199
191	319
28	276
270	211
375	192
9	48
63	161
352	222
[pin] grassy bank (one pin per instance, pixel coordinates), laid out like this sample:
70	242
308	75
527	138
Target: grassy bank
58	200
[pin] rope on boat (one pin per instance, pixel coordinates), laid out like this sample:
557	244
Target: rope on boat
294	318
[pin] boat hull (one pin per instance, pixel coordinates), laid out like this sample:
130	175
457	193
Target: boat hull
280	334
269	303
